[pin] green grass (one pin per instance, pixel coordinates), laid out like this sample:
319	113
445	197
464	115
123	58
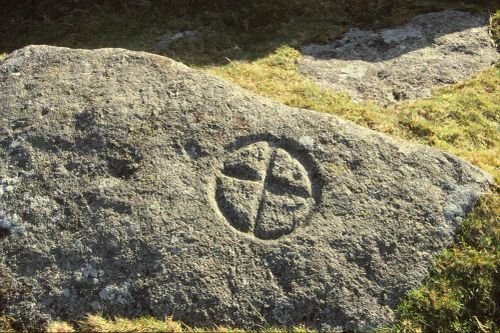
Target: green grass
462	292
258	51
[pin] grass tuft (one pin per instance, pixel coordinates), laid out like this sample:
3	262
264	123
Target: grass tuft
60	327
7	324
96	323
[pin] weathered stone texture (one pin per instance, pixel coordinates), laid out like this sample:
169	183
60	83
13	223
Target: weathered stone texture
132	185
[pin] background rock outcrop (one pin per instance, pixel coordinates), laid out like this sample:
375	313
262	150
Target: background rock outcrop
406	62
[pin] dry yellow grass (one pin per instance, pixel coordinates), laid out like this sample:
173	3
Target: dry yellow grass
60	327
96	323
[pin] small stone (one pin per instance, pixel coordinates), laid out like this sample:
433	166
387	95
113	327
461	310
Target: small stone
164	43
95	305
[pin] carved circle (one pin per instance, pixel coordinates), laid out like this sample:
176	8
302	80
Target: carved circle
265	189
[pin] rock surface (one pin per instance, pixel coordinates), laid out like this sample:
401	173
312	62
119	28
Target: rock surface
133	185
165	42
406	62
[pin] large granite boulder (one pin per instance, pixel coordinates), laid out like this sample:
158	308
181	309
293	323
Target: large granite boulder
406	62
133	185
